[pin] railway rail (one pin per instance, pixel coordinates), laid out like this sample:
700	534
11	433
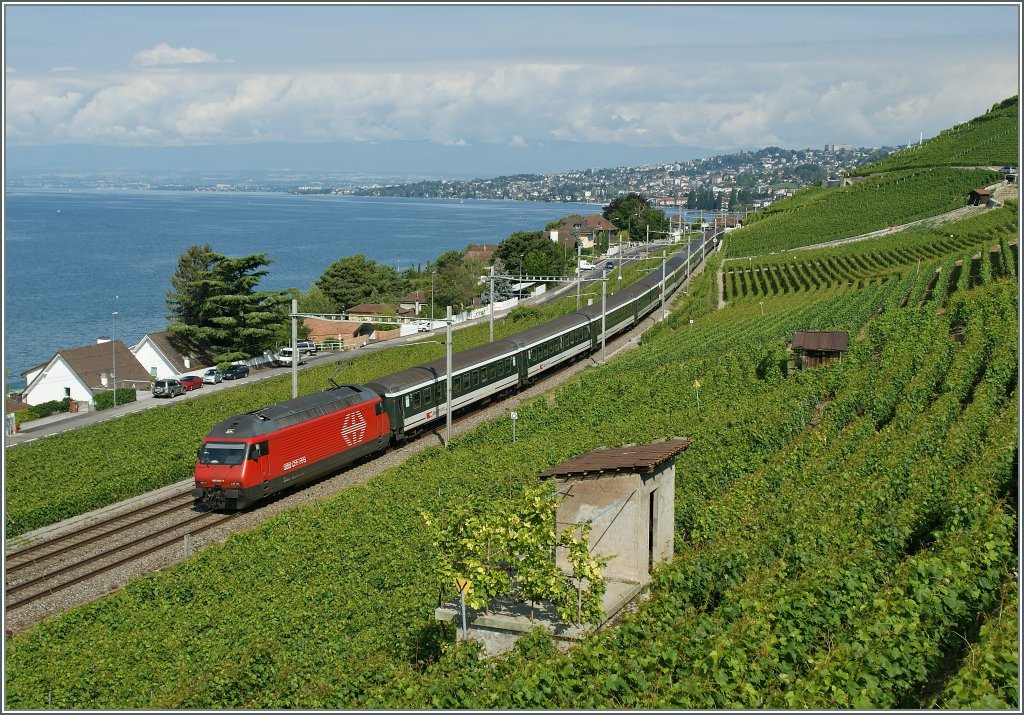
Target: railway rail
46	567
39	572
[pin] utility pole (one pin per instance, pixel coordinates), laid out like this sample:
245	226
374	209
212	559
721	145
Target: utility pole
448	376
579	274
491	336
664	260
295	348
620	256
604	287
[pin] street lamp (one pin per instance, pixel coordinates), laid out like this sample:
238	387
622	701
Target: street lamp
113	355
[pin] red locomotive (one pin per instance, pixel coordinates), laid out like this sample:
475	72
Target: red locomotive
250	456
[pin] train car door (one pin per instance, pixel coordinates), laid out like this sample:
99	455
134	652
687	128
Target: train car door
259	453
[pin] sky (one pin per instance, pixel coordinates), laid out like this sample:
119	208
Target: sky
489	88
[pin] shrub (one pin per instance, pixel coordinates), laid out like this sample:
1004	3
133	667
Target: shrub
44	409
105	400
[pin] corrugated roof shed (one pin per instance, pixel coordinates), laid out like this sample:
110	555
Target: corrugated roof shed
821	341
634	458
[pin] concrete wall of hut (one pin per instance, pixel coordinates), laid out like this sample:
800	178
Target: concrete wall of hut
622	506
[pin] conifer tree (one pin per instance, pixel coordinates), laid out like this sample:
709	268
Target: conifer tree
215	309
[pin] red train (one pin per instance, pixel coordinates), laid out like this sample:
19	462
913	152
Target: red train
250	456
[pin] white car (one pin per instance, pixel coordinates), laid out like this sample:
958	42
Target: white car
283	357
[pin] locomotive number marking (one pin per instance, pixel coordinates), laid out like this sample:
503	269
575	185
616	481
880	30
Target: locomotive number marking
294	463
353	428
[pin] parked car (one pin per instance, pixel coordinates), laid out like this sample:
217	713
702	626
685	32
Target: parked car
307	346
191	382
168	388
283	357
213	376
233	372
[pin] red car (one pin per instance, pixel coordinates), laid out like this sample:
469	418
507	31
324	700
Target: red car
191	382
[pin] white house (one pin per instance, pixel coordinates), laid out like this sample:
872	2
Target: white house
79	373
161	355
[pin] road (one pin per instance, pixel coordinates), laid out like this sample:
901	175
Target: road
62	422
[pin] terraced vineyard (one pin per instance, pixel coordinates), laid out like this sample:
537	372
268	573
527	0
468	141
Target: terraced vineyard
965	242
830	520
892	199
989	140
846	536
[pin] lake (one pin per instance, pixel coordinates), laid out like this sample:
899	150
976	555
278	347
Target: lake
72	258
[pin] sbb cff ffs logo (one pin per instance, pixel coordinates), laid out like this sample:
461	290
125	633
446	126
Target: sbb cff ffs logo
353	428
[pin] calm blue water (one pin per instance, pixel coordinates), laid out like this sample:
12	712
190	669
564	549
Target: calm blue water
72	258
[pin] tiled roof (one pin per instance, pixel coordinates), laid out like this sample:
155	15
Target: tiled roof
175	350
821	341
320	328
91	361
585	225
634	458
372	309
14	405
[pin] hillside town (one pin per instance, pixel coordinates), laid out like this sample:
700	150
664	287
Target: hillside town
757	177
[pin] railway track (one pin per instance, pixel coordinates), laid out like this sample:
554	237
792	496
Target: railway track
47	567
41	577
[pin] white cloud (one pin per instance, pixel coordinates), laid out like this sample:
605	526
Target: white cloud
797	96
164	54
65	68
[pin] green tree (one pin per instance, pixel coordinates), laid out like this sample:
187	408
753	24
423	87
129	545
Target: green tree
315	300
533	253
356	279
216	308
187	299
809	173
635	214
502	286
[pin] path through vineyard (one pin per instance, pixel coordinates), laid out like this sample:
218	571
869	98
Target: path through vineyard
1001	192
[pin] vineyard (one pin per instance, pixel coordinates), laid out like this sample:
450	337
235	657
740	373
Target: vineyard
846	536
140	452
830	524
819	215
989	140
968	243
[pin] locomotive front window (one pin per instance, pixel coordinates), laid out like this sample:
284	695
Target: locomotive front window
222	453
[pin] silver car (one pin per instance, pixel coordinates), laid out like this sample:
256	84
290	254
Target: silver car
213	376
168	388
